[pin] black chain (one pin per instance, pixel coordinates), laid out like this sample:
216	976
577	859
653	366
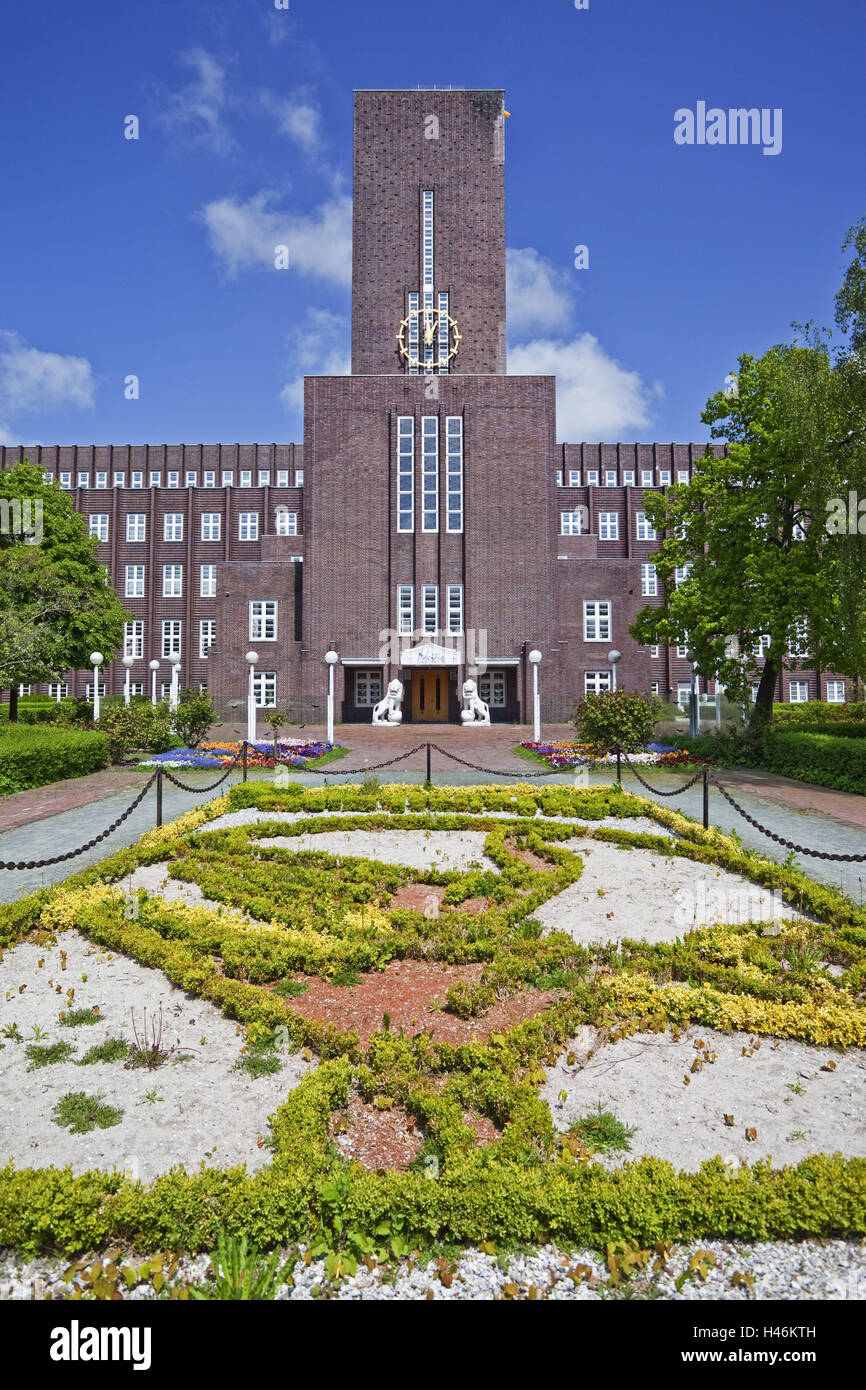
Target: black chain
495	772
677	791
351	771
786	844
199	791
73	853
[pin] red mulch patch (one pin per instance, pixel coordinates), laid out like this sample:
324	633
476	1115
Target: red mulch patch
376	1138
428	898
406	989
533	860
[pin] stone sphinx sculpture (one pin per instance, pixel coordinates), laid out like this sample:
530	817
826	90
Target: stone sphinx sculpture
474	711
389	711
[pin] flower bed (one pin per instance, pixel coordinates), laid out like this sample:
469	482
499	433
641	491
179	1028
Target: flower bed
292	753
564	756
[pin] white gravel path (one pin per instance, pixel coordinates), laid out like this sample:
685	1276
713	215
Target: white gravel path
206	1109
637	825
778	1089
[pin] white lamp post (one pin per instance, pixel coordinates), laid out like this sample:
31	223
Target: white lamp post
128	662
154	667
614	658
332	658
694	718
534	658
96	660
252	658
175	682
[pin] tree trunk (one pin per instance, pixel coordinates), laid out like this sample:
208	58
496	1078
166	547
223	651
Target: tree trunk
762	714
13	705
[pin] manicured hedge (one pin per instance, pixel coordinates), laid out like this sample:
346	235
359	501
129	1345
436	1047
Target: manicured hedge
824	759
818	711
32	756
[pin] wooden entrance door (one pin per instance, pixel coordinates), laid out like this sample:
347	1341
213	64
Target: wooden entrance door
430	697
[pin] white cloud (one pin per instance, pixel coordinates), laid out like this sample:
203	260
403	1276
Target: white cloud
32	380
539	295
318	347
596	397
299	117
244	235
197	110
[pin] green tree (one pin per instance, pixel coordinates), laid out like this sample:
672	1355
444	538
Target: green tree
55	604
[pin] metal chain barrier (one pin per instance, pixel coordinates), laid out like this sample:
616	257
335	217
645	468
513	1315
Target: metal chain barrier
73	853
676	792
786	844
352	771
495	772
199	791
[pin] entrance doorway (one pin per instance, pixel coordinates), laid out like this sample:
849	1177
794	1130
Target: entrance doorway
430	697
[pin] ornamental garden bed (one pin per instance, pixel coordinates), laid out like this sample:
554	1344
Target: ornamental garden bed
295	939
290	752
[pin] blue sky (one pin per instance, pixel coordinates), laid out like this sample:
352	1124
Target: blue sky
154	257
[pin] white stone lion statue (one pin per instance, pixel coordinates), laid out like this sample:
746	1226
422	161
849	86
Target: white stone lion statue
388	711
474	709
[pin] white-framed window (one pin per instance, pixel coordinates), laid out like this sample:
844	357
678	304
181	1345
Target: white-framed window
571	523
405	473
405	610
211	526
208	581
559	476
683	650
89	690
248	526
664	477
263	620
282	477
628	477
646	477
206	636
594	682
134	581
429	473
286	522
684	692
682	475
48	479
574	477
172	581
84	480
682	572
190	479
58	690
174	479
798	645
172	526
492	689
25	690
454	476
265	689
136	526
596	620
209	478
66	481
137	478
164	690
610	477
645	531
798	692
799	531
430	607
246	477
102	480
592	477
133	639
136	687
454	601
171	634
654	687
119	480
264	477
654	652
155	480
299	477
368	687
649	582
608	526
98	525
762	646
835	692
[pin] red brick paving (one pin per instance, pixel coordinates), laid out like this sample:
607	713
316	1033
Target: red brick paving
23	808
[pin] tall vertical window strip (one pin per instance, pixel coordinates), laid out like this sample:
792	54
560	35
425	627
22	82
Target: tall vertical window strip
455	607
427	268
405	610
431	608
454	427
405	473
414	303
444	334
430	472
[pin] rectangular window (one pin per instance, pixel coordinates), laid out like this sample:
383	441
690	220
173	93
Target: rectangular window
645	530
206	636
596	620
835	692
430	602
571	523
628	477
282	477
172	581
682	475
649	584
762	646
430	473
134	581
682	651
136	687
405	473
454	428
664	477
209	478
102	480
491	689
798	645
119	479
248	526
454	600
286	522
138	479
84	480
227	478
798	692
574	477
368	688
133	639
405	610
264	478
66	481
171	632
559	477
191	479
608	526
299	477
246	477
646	477
89	690
263	620
596	681
98	525
211	526
610	477
682	572
684	692
172	526
265	689
48	479
654	653
25	690
654	687
58	690
174	480
592	477
165	690
155	480
136	526
208	581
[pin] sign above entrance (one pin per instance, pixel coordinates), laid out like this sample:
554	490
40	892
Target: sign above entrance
428	654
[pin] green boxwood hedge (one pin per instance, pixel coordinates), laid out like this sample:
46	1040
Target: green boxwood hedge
824	759
31	756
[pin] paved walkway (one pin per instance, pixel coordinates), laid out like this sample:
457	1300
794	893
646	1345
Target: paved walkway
23	808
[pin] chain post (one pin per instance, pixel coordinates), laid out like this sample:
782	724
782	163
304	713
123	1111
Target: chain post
619	764
158	798
706	796
429	778
245	746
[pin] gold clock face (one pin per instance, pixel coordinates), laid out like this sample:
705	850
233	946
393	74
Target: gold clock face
420	331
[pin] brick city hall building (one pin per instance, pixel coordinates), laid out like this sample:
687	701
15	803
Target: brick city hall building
430	528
